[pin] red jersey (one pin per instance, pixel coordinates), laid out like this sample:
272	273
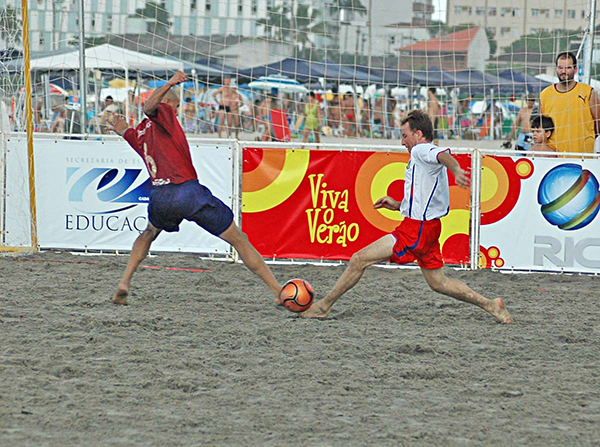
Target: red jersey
161	142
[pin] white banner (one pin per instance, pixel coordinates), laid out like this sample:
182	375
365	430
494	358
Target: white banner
15	219
554	224
94	195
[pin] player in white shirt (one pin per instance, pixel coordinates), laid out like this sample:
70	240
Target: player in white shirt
426	200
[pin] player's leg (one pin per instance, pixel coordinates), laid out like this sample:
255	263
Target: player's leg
379	251
456	289
221	119
251	258
137	255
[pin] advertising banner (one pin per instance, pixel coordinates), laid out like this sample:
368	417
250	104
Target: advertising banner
540	214
95	194
319	204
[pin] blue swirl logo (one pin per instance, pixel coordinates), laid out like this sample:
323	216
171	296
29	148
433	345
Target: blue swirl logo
569	196
107	190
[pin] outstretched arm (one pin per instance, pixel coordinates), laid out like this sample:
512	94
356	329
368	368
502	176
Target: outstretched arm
158	94
460	176
388	203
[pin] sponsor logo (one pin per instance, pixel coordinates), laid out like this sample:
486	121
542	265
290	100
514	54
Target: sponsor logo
569	196
567	253
107	190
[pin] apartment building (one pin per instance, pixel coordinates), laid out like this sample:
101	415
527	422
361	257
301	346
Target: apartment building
510	19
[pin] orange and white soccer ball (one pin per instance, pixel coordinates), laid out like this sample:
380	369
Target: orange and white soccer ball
297	295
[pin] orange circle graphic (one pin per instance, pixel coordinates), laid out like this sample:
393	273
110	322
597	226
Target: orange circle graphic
365	184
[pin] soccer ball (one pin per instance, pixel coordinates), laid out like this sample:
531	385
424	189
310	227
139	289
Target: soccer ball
297	295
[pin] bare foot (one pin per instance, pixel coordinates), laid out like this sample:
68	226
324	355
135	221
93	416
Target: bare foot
317	310
121	296
500	311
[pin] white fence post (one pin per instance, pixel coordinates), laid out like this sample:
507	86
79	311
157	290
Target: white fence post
475	208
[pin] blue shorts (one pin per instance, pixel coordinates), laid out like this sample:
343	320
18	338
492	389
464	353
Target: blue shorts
170	204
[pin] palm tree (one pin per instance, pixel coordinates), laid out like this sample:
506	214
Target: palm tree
291	23
159	14
10	26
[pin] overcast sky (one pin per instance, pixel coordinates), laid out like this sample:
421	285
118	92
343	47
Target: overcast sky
440	10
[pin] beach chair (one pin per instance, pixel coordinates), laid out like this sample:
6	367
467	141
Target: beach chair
280	128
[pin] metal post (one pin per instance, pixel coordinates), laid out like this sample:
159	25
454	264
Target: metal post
589	44
82	71
475	209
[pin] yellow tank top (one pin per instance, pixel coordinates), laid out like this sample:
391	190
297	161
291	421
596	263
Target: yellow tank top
574	129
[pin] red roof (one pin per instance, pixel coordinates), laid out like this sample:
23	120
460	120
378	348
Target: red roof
450	43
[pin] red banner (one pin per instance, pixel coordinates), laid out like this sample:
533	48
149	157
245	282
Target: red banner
319	204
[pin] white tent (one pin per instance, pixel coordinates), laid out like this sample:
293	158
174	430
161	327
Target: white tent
105	57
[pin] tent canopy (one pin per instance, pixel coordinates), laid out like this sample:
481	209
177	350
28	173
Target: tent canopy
106	57
531	83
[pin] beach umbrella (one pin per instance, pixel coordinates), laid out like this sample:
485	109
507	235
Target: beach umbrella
280	83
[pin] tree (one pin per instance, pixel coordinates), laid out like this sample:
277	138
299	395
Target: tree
159	15
291	23
11	28
543	42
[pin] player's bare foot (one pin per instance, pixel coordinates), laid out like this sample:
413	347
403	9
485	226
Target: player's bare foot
500	311
317	310
121	296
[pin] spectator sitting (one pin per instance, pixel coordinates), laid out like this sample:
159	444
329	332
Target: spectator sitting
109	107
542	128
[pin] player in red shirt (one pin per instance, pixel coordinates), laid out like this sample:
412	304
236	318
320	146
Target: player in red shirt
176	193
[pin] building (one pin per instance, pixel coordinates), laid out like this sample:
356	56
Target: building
54	24
508	20
456	51
393	24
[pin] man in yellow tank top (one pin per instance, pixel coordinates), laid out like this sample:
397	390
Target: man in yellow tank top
574	107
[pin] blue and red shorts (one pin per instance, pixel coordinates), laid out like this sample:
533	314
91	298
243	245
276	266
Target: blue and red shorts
170	204
418	240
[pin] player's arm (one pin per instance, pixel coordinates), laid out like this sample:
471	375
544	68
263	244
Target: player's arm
595	109
388	203
215	93
515	126
460	176
159	94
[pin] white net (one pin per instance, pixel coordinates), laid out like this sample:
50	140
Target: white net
367	61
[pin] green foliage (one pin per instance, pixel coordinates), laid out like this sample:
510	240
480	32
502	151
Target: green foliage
297	27
158	14
543	42
11	27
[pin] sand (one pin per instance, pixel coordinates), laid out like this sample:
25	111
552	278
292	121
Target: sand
206	358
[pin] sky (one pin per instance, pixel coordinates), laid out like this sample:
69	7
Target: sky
440	10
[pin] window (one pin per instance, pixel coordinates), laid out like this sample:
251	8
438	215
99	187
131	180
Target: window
545	13
207	6
41	40
240	7
457	10
193	5
109	23
505	12
570	14
254	7
479	11
392	40
492	11
583	15
515	12
535	13
504	30
558	13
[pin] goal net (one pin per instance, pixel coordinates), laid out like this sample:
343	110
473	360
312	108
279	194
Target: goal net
273	70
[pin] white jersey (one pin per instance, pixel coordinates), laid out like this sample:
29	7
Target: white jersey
426	191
